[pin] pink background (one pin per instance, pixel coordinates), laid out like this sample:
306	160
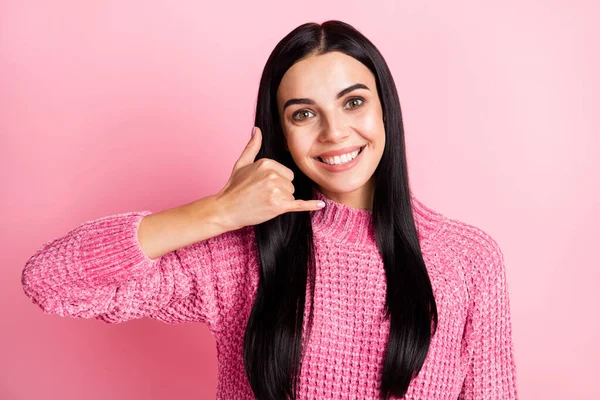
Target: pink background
130	105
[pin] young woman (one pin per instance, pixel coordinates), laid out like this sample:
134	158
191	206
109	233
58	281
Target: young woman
372	296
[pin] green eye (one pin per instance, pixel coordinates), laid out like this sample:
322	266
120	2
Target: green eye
355	99
299	113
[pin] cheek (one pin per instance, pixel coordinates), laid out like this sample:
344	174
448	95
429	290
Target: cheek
372	127
299	149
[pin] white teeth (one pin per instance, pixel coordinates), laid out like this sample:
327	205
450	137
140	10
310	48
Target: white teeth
344	158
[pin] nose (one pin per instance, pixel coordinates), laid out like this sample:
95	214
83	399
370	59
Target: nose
333	128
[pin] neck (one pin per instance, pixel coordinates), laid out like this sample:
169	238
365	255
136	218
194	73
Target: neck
361	198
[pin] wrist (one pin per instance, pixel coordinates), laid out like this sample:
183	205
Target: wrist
209	214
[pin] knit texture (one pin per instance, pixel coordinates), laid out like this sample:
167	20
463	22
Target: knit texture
98	270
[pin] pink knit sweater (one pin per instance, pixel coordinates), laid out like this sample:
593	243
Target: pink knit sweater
98	270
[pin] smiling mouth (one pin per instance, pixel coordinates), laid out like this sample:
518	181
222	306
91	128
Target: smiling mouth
359	151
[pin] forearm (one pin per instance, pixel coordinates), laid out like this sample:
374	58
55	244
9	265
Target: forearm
179	227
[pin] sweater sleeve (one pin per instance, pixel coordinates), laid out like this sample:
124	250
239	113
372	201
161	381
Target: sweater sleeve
491	373
99	270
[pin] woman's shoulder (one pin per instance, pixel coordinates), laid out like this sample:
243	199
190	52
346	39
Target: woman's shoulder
457	240
427	220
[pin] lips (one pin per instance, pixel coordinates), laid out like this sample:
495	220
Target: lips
345	150
343	167
339	152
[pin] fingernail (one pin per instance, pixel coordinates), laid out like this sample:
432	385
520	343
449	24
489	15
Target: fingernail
320	204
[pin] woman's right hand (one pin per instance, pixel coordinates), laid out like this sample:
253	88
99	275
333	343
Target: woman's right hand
258	191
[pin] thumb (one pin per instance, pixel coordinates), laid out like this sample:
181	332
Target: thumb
249	154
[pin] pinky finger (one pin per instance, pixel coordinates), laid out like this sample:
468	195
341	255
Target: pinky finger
307	205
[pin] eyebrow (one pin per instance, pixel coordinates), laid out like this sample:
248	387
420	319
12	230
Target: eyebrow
312	102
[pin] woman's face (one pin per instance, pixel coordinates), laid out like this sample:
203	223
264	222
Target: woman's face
318	115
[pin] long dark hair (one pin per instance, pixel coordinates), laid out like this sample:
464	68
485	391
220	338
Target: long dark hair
273	340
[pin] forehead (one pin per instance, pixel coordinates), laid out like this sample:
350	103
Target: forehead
323	76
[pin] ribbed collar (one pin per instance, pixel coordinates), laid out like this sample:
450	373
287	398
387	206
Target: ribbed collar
354	226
